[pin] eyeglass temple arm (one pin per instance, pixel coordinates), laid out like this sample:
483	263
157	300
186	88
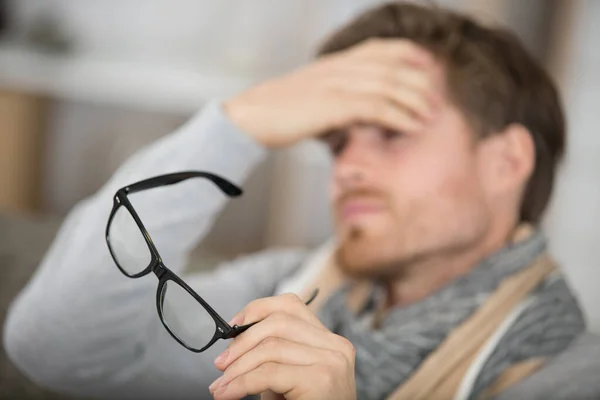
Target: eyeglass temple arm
170	179
236	329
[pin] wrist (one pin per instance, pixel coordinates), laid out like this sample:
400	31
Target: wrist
241	117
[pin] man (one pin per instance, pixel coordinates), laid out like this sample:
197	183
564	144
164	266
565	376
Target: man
445	136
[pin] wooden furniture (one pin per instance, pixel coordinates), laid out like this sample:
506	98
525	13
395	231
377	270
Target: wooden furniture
21	128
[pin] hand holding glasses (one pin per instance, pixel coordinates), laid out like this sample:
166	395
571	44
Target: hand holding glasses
134	253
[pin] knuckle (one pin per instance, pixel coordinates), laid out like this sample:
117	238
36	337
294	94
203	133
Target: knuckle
339	359
278	318
241	381
348	348
271	341
291	298
257	378
367	46
267	369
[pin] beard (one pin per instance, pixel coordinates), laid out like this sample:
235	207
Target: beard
385	252
358	257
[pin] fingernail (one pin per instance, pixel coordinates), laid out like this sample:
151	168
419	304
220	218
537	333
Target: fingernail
237	320
221	391
215	384
221	358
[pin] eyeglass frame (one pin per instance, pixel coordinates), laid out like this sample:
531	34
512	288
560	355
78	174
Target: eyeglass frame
223	330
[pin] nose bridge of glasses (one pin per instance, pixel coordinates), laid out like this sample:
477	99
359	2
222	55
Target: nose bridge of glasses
159	270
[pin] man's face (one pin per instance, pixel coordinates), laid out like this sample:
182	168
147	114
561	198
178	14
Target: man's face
402	197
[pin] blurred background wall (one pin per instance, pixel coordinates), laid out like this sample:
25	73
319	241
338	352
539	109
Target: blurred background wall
84	83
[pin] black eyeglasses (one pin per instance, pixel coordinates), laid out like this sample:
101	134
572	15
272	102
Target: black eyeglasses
134	253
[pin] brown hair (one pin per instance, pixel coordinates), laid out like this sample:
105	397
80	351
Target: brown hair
490	77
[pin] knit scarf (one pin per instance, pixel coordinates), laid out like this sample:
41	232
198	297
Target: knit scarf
386	357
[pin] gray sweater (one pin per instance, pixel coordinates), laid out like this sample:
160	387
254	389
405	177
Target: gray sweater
81	327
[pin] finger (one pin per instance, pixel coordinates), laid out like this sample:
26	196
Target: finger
259	309
279	378
394	49
377	111
276	350
278	325
426	81
402	96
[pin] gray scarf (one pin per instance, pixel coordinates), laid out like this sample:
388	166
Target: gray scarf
386	357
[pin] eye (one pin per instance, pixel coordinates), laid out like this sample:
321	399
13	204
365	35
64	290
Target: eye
389	134
336	142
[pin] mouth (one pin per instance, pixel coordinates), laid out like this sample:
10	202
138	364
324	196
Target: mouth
354	210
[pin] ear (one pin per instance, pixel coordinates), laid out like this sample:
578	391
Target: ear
507	159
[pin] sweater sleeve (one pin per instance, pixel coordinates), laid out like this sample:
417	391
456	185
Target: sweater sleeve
82	327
